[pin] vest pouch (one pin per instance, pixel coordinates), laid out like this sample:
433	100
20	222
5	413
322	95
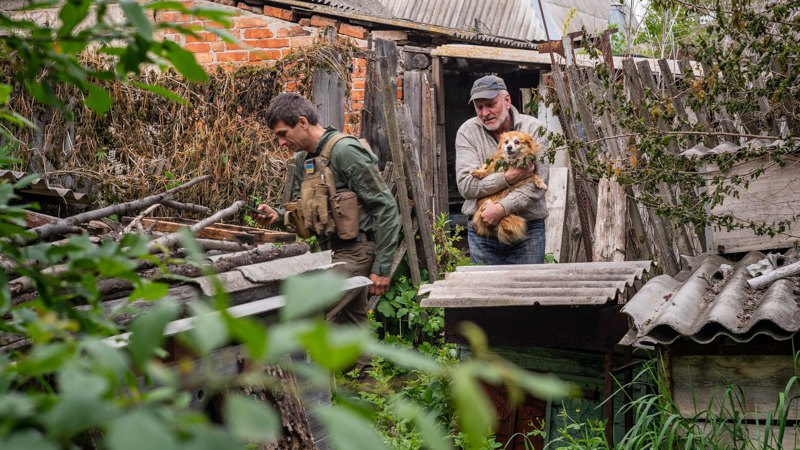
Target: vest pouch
307	202
323	226
293	220
345	214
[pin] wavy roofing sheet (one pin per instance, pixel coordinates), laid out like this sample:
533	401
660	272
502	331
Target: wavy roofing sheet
713	301
701	150
533	284
40	187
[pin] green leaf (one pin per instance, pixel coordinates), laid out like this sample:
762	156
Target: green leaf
223	33
17	406
165	5
63	422
184	62
386	309
475	414
208	329
141	429
162	91
5	93
16	119
81	383
98	100
407	358
72	13
434	436
5	294
546	387
148	330
334	348
27	440
213	439
44	359
251	420
149	290
310	293
109	361
348	430
251	334
135	14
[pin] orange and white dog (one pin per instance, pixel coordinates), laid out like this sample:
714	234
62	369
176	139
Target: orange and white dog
514	149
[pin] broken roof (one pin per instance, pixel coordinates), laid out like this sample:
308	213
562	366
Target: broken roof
40	187
594	283
714	300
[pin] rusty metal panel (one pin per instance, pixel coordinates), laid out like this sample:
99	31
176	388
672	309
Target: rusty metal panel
533	284
714	300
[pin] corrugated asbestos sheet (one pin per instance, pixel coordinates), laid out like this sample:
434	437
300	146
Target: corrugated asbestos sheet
701	150
533	284
714	300
369	7
40	187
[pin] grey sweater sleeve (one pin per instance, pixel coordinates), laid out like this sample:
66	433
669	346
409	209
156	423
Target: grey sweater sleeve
467	159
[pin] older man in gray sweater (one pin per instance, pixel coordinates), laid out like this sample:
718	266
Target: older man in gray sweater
476	142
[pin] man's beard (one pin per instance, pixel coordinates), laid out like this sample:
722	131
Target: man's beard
499	121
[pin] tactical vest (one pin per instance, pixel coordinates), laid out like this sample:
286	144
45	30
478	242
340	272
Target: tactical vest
325	211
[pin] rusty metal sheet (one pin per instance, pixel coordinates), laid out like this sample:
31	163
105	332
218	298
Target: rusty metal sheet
714	300
533	284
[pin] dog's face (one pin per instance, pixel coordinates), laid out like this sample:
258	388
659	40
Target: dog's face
514	146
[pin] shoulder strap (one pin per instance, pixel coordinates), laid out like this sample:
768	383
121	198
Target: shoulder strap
332	141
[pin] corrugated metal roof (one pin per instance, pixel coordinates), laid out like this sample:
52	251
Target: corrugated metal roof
41	187
701	150
533	284
714	300
513	19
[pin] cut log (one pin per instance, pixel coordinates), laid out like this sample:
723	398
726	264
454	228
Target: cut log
170	240
189	207
777	274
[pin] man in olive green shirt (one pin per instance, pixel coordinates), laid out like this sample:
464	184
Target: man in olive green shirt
294	121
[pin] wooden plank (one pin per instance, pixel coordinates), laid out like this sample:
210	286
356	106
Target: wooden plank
413	170
396	149
699	382
327	92
222	232
556	197
441	192
701	115
676	97
773	196
416	96
373	121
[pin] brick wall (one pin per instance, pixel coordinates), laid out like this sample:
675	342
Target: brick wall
266	35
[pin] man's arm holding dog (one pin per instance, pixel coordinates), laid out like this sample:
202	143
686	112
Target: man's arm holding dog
467	159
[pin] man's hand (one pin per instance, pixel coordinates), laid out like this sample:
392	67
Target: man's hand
268	216
379	284
516	174
493	213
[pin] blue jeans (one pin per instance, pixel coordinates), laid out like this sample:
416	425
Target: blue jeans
488	251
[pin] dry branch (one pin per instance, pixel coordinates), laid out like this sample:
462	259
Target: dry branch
783	272
45	231
169	240
189	207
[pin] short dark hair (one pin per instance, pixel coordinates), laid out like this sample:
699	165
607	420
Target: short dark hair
288	107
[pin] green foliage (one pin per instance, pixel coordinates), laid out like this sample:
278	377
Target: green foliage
399	316
445	239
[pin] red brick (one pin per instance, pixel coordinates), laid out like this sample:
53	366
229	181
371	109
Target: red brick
359	83
357	95
304	22
361	62
198	47
249	22
231	46
270	43
353	31
280	13
232	56
247	7
218	46
357	106
201	37
292	32
302	41
170	16
226	2
256	33
203	58
320	21
261	55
